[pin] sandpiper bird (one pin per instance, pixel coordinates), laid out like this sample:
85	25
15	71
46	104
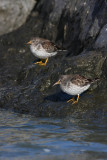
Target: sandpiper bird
74	84
43	49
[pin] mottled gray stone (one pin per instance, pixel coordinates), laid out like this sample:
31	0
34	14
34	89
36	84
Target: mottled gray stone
101	41
14	13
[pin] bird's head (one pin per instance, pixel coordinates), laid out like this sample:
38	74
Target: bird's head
33	41
62	80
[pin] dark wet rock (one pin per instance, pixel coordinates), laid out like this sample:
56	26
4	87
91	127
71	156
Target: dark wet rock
104	69
88	63
35	95
76	26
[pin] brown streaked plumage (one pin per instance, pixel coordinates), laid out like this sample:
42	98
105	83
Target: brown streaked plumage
74	84
49	46
42	48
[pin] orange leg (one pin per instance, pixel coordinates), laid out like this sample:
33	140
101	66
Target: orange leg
74	100
44	64
41	62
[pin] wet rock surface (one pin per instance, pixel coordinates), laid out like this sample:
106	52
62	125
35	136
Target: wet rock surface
27	88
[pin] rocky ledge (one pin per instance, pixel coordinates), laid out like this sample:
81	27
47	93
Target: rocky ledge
79	28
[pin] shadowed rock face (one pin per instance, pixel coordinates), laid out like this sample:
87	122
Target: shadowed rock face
76	26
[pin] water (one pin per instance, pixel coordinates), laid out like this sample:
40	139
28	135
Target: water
26	137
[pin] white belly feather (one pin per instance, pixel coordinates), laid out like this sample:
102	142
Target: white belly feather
41	53
74	89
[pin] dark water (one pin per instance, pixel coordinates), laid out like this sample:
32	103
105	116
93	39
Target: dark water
26	137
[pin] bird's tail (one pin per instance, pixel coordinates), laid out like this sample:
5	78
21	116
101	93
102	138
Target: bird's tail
94	80
62	50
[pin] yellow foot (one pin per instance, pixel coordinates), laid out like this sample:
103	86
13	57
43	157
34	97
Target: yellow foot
72	99
44	64
74	102
40	62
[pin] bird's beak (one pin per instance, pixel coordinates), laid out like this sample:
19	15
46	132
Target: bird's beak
30	42
58	82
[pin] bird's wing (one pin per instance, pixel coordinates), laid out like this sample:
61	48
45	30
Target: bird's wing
80	80
49	46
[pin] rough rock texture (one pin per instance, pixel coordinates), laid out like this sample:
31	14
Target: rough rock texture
14	13
101	41
75	25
